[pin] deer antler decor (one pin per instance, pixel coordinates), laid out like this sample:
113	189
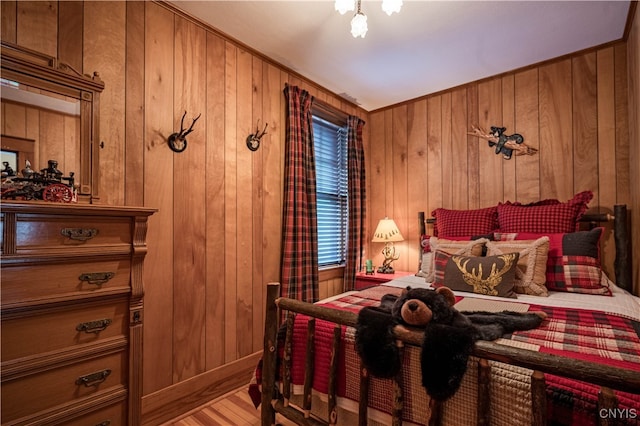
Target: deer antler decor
505	144
178	141
485	285
253	140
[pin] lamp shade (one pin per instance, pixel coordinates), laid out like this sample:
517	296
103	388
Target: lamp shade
387	231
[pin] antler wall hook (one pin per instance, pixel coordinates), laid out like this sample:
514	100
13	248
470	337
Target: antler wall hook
253	140
178	141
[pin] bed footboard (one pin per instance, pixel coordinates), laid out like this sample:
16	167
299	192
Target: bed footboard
275	401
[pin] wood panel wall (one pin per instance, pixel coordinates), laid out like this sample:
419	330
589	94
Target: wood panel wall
633	60
574	110
215	241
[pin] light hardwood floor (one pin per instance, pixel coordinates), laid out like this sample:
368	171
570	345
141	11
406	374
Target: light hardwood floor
232	409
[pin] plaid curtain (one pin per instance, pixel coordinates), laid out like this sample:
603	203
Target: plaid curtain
299	269
355	164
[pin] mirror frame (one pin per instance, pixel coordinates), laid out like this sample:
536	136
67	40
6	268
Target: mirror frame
45	72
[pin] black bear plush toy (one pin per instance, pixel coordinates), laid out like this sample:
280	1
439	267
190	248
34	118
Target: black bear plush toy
449	335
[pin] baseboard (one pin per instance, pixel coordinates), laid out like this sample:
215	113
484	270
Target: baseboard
174	400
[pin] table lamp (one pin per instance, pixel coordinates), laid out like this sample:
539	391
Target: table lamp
387	232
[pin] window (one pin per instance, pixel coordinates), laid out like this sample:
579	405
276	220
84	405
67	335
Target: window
330	145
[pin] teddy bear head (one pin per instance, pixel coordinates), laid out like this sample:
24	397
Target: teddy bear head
418	307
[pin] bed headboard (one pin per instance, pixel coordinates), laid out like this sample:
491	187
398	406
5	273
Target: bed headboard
622	241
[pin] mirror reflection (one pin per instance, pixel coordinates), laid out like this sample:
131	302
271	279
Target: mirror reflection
50	114
9	162
37	126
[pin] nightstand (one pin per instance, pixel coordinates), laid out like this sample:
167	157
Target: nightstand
363	280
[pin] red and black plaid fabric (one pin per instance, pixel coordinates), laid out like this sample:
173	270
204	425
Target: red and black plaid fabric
575	333
591	336
440	260
547	217
573	263
324	334
357	199
323	338
577	274
299	269
583	334
464	223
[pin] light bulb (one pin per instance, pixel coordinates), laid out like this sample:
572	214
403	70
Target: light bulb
390	6
344	6
359	25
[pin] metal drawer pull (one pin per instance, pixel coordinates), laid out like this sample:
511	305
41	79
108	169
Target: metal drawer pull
93	379
97	278
105	423
93	326
79	234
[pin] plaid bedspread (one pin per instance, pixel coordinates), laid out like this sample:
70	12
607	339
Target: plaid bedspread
581	334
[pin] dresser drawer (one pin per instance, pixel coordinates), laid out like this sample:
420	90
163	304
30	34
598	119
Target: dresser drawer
33	333
71	289
50	233
45	389
114	415
41	281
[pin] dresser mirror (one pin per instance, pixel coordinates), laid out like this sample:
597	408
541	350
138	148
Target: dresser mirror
50	111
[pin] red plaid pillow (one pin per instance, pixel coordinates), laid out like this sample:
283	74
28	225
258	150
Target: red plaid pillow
544	217
573	264
463	223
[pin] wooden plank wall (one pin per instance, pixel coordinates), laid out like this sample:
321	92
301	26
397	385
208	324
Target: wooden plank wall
633	60
574	110
215	241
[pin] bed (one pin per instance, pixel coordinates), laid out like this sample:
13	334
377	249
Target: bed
581	366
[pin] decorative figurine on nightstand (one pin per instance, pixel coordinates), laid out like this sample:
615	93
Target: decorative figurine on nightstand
369	267
387	232
390	255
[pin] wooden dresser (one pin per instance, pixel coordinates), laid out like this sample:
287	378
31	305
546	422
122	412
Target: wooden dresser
72	313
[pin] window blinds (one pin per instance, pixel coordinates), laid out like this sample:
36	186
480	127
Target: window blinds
330	146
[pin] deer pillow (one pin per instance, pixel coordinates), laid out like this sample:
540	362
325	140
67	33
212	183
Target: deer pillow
488	275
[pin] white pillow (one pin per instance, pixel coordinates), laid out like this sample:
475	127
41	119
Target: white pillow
427	265
425	268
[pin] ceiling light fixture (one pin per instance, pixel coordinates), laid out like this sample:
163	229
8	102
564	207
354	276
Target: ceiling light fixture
390	6
344	6
359	21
